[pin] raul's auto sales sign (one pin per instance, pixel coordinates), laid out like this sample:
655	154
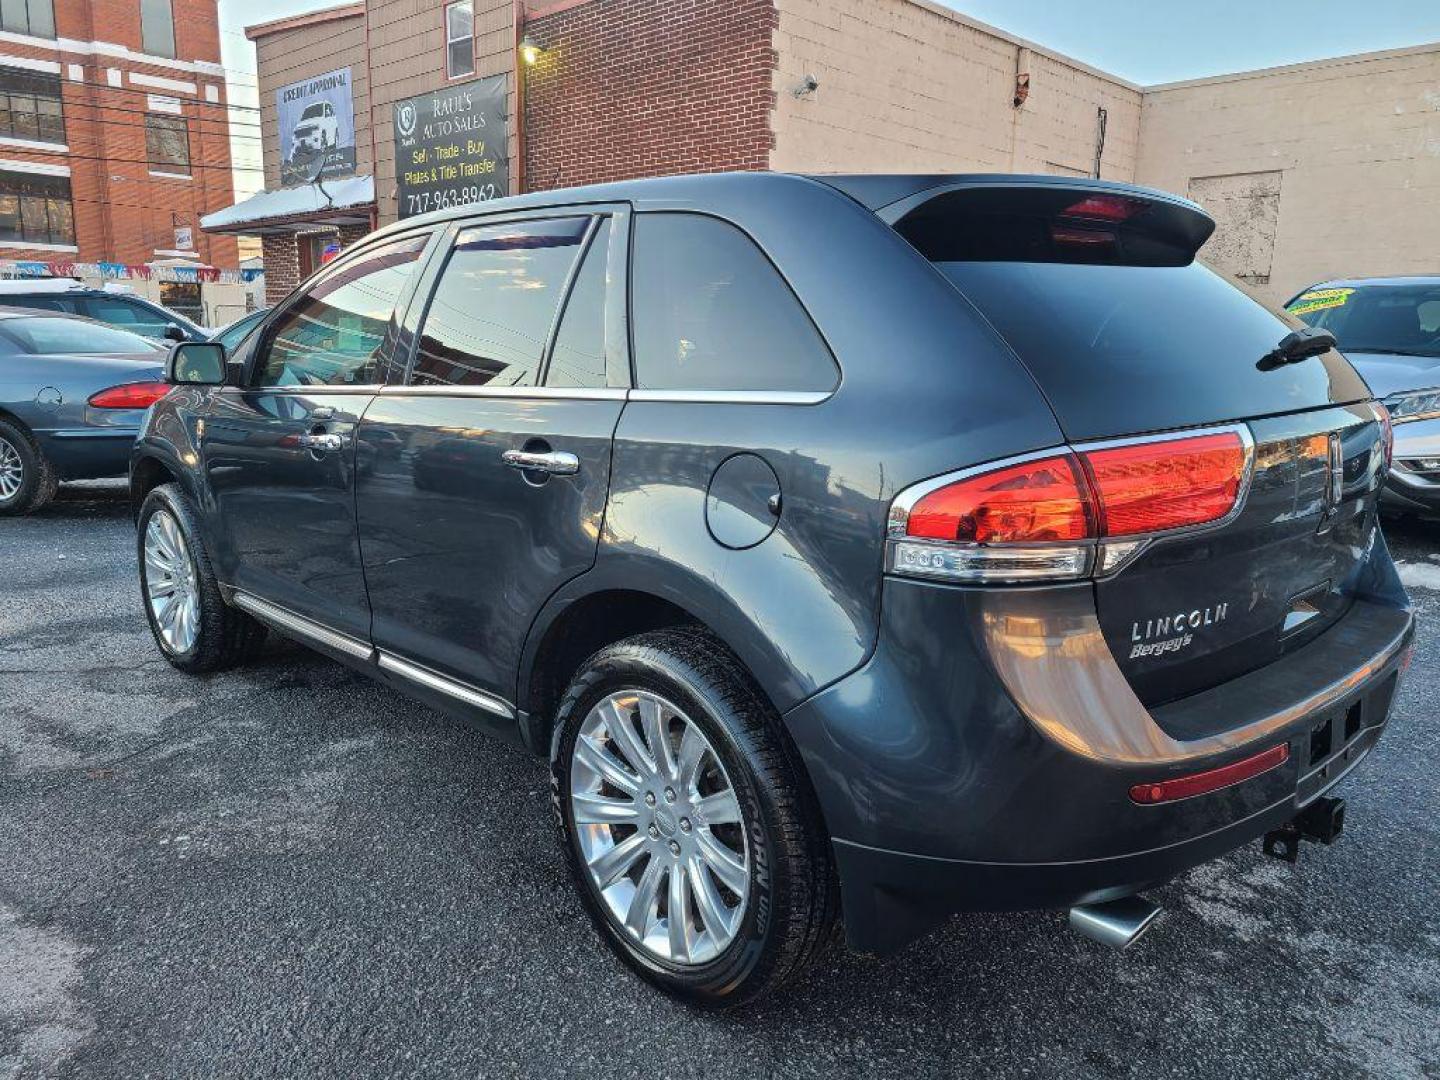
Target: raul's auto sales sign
450	146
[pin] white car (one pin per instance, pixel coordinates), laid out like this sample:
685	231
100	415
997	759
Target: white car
317	129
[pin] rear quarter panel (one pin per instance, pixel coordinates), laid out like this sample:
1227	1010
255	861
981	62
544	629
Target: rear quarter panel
925	388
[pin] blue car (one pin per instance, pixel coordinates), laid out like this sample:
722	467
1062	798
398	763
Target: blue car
72	394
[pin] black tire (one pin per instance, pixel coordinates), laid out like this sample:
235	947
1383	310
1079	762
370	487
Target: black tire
791	911
38	477
226	636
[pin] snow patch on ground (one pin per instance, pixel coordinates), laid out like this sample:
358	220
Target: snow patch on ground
39	975
1419	575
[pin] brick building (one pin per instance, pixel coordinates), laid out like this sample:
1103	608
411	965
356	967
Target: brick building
114	136
595	90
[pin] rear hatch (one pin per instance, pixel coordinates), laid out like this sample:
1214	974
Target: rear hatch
1097	290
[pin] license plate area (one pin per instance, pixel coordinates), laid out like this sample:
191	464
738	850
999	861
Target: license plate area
1339	738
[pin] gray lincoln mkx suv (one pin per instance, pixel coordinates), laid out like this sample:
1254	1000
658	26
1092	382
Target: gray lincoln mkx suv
856	548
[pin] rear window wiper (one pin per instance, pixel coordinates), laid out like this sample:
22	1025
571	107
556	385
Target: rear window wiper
1296	346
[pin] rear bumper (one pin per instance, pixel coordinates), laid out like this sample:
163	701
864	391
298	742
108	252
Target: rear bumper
947	787
89	453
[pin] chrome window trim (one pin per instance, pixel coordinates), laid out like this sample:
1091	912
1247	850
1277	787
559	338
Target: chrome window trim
288	621
312	389
735	397
450	687
574	393
612	393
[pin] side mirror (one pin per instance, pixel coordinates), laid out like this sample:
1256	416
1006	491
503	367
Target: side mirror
175	332
196	363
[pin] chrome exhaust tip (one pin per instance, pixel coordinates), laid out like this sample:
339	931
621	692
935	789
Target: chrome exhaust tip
1116	923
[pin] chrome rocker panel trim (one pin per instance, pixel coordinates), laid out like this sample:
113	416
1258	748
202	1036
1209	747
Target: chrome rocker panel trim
289	622
307	629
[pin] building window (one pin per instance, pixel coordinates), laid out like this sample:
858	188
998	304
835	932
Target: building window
35	209
35	17
167	144
157	27
30	106
460	39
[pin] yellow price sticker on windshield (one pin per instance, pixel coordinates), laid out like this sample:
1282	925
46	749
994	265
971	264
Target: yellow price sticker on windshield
1319	300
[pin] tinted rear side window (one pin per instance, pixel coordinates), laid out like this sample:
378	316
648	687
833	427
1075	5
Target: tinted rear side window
712	313
495	304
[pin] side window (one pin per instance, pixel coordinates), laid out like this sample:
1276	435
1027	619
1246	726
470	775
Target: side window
122	314
578	358
493	307
338	333
712	313
42	303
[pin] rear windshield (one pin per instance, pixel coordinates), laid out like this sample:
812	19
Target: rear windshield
1134	348
1400	319
43	336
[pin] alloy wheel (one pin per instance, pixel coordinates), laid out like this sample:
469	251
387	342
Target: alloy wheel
12	470
171	587
659	827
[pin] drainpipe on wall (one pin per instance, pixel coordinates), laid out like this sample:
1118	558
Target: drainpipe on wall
1022	93
517	67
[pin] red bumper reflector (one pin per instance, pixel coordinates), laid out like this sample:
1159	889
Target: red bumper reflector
1186	787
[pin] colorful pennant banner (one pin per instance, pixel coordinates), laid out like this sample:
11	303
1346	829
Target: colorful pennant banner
114	271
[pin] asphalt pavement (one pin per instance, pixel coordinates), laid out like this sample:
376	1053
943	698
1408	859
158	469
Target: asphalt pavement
290	871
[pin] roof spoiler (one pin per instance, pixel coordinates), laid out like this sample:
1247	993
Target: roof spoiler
1034	218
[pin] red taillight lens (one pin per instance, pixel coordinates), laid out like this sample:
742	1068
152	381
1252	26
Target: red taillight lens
1051	519
138	395
1035	501
1155	486
1186	787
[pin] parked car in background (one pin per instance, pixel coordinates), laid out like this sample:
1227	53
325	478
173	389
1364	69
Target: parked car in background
232	335
124	311
72	394
943	566
1389	328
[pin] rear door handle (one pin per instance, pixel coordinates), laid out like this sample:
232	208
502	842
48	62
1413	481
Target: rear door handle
554	462
322	441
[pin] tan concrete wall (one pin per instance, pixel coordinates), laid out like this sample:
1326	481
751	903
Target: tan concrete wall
407	57
1353	145
303	52
905	85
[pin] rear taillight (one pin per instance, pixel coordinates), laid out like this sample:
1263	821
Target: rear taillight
1169	484
138	395
1035	500
1067	514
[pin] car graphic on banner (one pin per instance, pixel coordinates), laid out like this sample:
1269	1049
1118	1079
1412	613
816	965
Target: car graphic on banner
317	128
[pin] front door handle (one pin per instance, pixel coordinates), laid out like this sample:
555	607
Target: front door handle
554	462
322	441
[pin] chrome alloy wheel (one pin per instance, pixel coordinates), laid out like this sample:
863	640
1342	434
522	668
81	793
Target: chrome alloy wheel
171	588
12	470
659	827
